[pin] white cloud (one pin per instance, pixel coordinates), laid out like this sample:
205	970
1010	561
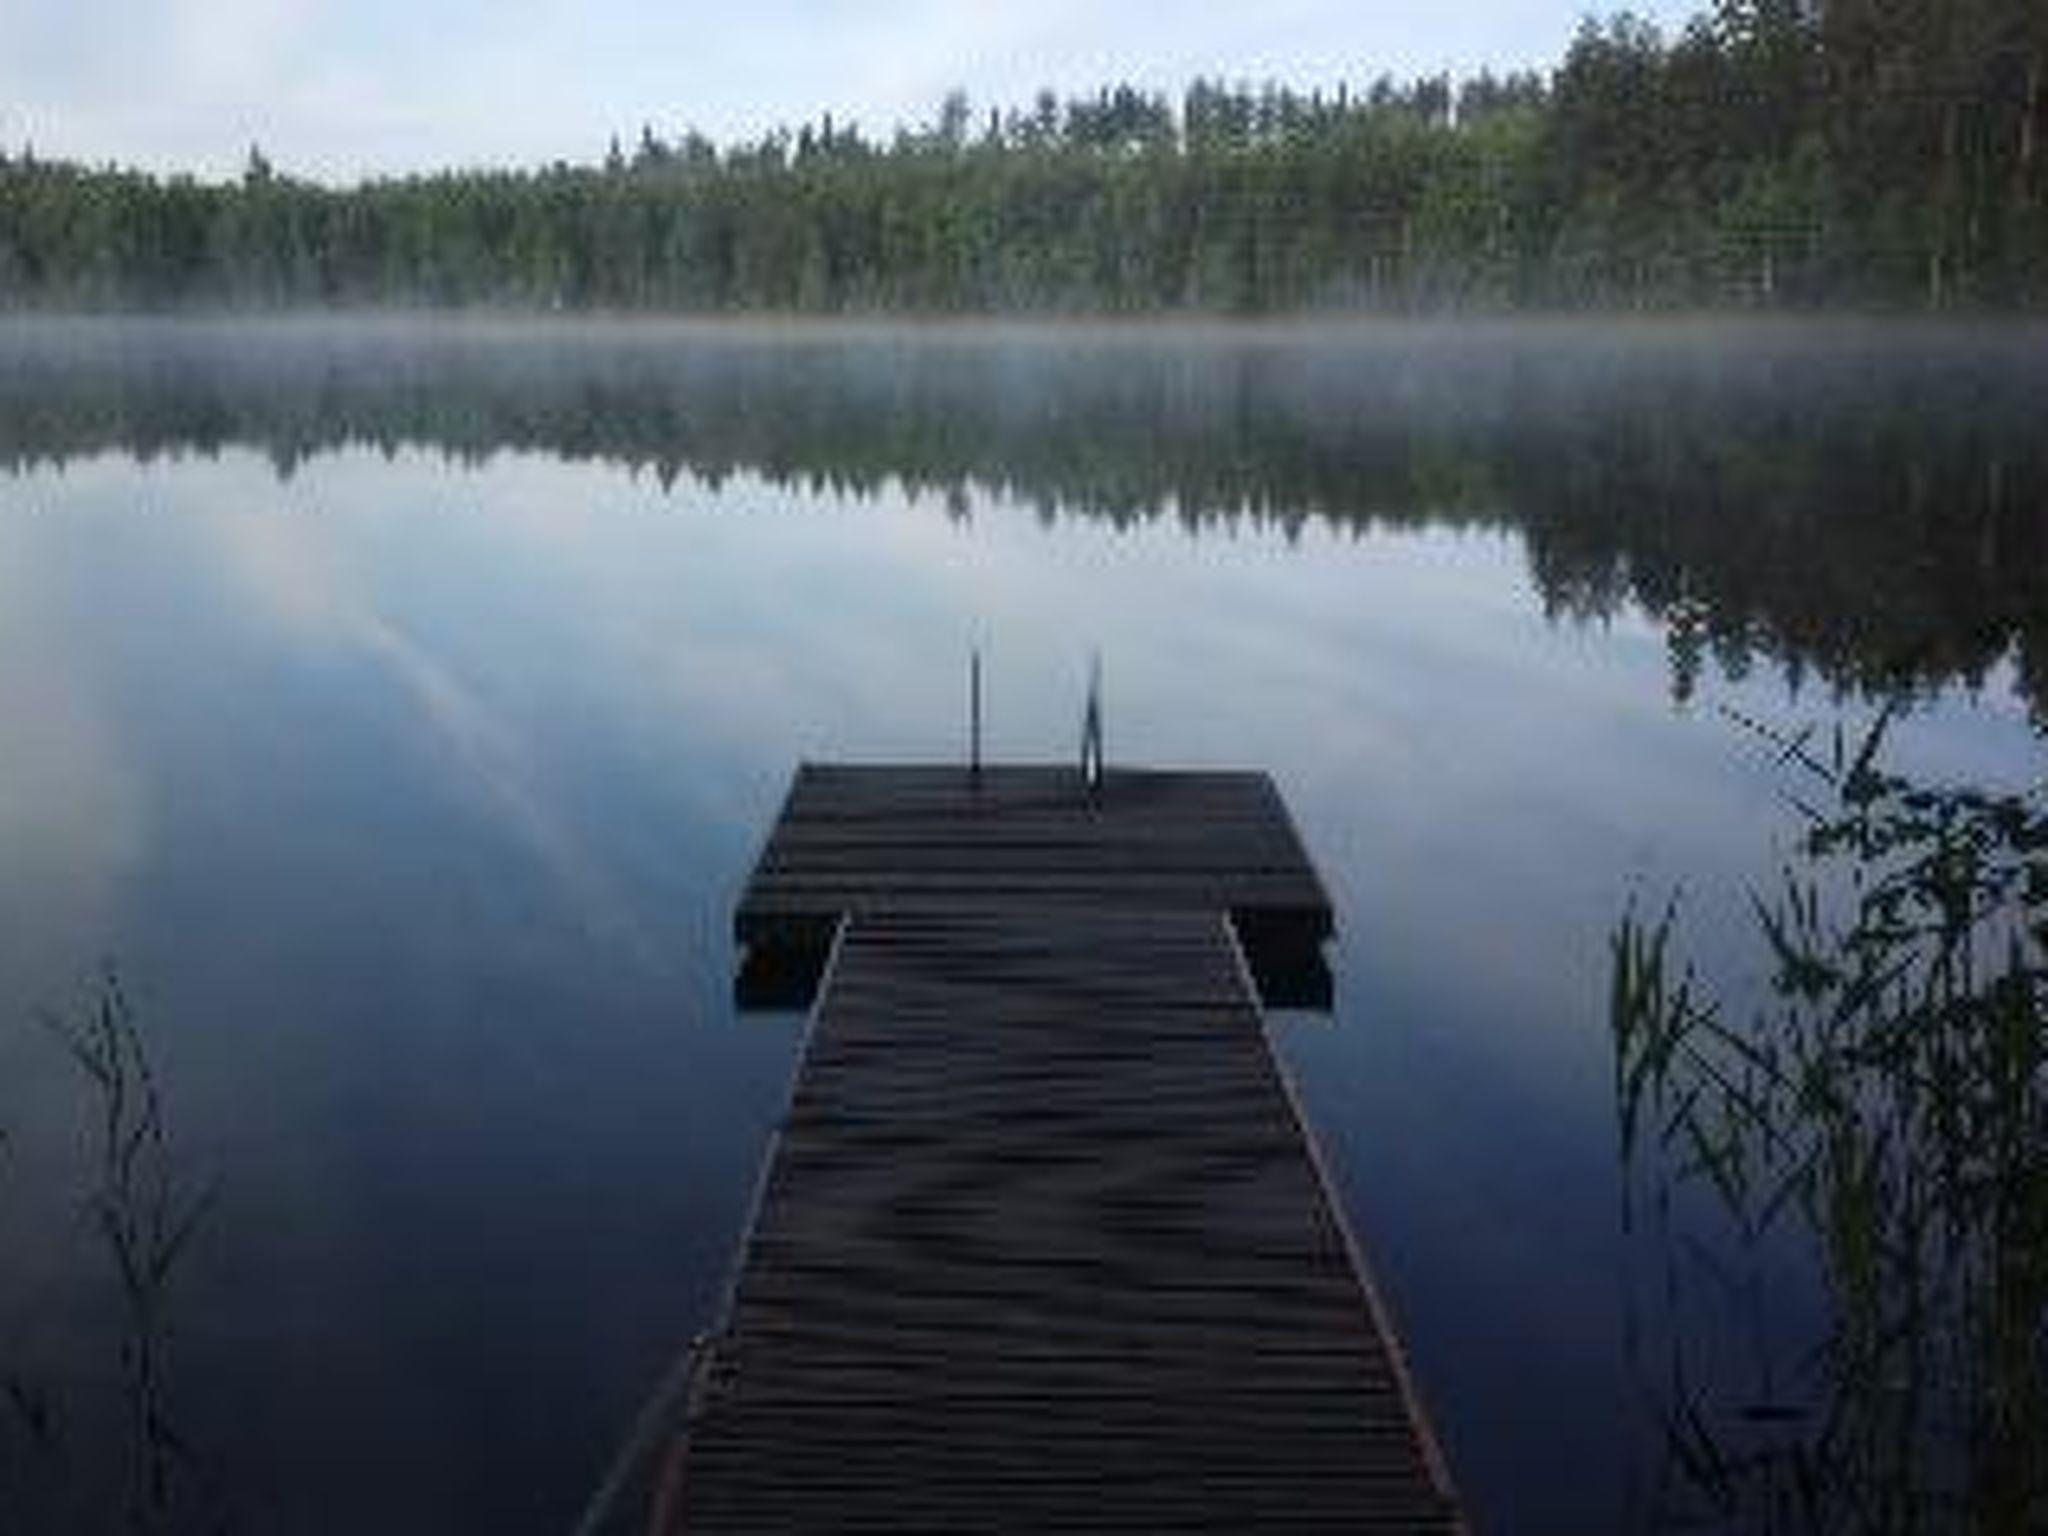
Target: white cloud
291	569
74	817
340	89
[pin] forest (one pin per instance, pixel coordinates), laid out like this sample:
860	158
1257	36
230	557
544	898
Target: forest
1872	154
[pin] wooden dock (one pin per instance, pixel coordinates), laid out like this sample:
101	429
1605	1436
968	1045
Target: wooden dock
854	839
1044	1243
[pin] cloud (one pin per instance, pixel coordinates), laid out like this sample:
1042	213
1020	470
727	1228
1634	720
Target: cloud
341	88
73	813
287	569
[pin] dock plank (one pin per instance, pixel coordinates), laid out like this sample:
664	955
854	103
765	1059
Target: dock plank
853	837
1042	1244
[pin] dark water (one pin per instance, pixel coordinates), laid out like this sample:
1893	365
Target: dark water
398	710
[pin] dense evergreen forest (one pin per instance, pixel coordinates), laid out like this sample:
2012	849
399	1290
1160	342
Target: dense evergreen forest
1776	153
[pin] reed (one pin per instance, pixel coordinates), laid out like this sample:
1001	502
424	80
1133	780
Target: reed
66	1459
1884	1110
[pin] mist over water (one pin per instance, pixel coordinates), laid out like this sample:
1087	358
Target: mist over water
401	704
1854	498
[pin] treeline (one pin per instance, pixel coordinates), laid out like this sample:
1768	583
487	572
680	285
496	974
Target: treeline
1776	153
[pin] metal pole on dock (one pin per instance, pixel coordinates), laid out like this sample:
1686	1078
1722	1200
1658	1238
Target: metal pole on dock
974	715
1091	729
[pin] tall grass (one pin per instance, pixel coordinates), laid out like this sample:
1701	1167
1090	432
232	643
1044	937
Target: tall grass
60	1458
1884	1110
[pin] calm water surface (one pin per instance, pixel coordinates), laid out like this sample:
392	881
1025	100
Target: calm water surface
398	709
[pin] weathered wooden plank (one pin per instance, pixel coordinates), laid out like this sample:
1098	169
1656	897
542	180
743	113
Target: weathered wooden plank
851	837
1043	1247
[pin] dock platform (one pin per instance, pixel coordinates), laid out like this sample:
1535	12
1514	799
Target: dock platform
1044	1243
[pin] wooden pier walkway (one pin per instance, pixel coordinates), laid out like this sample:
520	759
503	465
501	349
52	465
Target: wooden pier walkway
1044	1244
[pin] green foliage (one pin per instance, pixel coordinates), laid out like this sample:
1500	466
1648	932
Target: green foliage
1775	153
1891	1101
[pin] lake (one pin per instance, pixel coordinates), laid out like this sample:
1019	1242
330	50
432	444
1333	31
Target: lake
392	709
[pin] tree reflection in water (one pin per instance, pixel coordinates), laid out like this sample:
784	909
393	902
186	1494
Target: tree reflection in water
1881	1118
1862	505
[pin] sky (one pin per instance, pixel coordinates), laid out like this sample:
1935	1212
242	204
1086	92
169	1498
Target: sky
341	89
